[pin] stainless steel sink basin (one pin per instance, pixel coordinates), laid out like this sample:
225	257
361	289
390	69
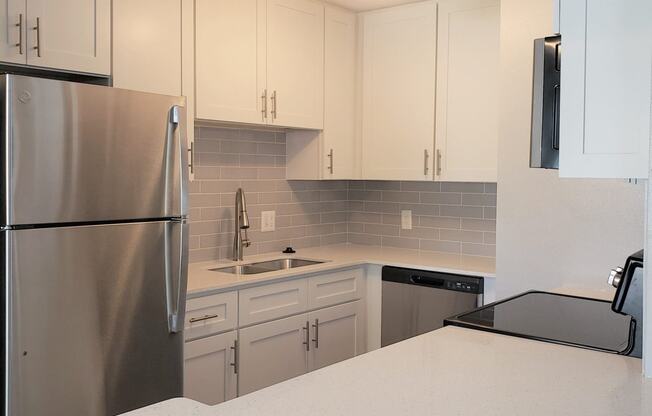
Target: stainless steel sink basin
267	266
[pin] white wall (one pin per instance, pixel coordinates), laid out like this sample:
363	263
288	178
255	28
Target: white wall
551	232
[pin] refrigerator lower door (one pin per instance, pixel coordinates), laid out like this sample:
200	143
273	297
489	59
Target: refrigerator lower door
84	153
89	318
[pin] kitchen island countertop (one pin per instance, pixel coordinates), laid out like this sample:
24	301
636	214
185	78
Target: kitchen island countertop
450	371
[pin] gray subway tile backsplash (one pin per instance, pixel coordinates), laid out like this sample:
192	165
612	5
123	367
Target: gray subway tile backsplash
446	217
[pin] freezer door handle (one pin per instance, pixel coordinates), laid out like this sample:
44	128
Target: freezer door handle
176	273
177	172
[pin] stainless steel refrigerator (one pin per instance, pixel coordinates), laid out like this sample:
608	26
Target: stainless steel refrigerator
94	247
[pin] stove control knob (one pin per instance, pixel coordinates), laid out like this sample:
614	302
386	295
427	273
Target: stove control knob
615	275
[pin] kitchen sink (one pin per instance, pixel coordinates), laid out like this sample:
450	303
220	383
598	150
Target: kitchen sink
267	266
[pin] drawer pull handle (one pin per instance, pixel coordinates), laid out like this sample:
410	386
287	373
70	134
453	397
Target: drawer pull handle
203	318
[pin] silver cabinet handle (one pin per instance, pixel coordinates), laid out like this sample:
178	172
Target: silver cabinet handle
274	99
19	25
426	156
203	318
263	98
37	28
306	342
438	162
316	339
330	166
236	359
191	157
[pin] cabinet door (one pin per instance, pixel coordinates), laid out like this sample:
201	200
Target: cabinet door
339	94
12	37
337	334
74	35
467	69
209	371
605	88
188	77
273	352
230	60
295	63
398	97
147	45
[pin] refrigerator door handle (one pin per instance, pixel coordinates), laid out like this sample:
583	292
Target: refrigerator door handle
176	273
177	174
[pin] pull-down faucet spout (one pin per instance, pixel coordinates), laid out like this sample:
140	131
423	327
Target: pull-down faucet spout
241	224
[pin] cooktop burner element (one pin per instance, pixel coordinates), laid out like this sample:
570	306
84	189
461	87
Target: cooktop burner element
551	317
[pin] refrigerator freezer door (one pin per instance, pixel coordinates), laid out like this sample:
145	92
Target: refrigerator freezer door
89	317
85	153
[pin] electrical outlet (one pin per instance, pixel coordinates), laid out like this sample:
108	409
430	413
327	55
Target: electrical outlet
268	221
406	219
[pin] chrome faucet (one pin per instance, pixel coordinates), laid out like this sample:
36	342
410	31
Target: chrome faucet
241	223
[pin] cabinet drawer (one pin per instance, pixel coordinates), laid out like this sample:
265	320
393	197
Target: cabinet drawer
334	288
211	314
268	302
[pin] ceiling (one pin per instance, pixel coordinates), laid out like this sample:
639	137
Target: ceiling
361	5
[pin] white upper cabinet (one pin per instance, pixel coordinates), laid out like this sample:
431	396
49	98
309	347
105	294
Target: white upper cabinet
605	88
332	153
295	63
467	90
339	150
152	49
260	62
147	45
230	59
398	92
13	47
74	35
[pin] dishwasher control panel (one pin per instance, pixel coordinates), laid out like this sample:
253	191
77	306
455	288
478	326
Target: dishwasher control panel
463	286
435	280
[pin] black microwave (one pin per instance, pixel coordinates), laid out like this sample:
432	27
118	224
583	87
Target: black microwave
544	148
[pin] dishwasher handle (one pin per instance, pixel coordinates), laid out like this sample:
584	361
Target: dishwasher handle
427	281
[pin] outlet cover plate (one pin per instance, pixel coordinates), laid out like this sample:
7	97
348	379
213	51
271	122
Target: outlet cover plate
406	219
268	221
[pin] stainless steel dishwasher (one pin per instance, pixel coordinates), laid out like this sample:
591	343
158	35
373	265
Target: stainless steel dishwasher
416	301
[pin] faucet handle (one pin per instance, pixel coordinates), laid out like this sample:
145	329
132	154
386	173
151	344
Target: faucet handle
246	242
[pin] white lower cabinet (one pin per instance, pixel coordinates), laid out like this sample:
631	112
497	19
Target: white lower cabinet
337	334
273	352
210	368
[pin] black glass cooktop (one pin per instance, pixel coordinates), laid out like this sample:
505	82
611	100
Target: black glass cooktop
552	317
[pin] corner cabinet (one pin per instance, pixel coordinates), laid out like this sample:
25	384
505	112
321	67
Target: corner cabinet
268	65
71	35
332	153
606	88
398	92
468	51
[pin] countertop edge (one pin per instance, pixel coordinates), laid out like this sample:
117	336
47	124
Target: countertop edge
328	265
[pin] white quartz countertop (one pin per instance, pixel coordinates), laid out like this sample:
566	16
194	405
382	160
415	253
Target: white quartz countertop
451	371
201	280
